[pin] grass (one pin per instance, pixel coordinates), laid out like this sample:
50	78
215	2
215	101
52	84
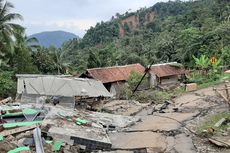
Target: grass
211	121
222	78
209	84
157	96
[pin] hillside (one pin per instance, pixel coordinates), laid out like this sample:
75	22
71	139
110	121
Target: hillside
166	32
53	38
173	31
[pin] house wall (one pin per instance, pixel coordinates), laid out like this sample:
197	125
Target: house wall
152	80
115	88
169	80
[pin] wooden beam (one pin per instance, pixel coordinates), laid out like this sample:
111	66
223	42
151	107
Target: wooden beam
17	130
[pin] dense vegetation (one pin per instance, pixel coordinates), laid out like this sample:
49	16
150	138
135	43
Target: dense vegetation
181	31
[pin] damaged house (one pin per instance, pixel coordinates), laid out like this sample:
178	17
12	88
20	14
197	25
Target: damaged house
68	90
113	77
166	74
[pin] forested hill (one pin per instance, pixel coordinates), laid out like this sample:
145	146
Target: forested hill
165	32
171	31
53	38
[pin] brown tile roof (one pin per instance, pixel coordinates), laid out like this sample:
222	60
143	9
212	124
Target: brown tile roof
166	70
114	74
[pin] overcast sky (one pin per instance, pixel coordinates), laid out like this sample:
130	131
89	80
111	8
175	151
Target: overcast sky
72	15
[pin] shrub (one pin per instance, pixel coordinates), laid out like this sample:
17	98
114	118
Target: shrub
7	85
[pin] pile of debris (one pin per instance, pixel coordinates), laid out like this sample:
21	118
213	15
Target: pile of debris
48	128
124	107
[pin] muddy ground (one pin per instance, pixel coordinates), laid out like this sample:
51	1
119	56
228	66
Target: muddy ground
172	130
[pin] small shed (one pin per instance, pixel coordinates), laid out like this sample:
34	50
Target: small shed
30	89
113	77
165	74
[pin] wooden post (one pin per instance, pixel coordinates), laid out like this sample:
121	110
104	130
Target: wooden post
227	93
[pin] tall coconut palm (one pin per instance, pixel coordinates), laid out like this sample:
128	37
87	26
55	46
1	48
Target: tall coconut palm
8	28
24	42
60	60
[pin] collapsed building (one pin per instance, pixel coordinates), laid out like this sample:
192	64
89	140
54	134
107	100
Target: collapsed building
113	77
68	90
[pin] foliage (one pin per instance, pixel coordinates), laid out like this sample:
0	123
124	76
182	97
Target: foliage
179	31
7	85
134	79
209	71
43	61
8	29
202	62
211	121
156	96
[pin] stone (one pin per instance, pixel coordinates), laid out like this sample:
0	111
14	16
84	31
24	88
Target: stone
191	87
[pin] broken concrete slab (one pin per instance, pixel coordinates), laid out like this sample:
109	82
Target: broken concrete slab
124	107
137	140
162	122
119	121
183	144
117	151
92	138
61	136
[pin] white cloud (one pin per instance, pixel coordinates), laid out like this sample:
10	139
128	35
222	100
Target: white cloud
72	15
77	24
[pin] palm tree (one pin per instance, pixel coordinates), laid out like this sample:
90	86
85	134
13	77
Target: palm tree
59	59
8	29
23	42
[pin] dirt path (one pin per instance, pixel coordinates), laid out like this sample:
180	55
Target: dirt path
170	131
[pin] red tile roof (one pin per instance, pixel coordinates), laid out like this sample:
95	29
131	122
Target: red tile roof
114	74
166	70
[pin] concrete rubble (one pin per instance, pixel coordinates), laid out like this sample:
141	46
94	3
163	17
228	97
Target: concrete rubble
75	129
124	107
121	127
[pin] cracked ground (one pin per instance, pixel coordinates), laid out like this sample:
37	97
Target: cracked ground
171	132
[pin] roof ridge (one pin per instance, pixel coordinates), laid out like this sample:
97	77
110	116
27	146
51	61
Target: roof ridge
114	66
162	64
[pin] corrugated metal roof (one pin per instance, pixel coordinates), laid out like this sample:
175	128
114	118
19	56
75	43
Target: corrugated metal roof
166	70
54	86
40	75
114	74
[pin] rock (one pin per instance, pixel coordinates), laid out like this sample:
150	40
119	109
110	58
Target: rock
220	122
191	87
20	142
221	141
6	146
24	134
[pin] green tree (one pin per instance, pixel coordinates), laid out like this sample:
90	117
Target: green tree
60	62
8	29
43	61
202	63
